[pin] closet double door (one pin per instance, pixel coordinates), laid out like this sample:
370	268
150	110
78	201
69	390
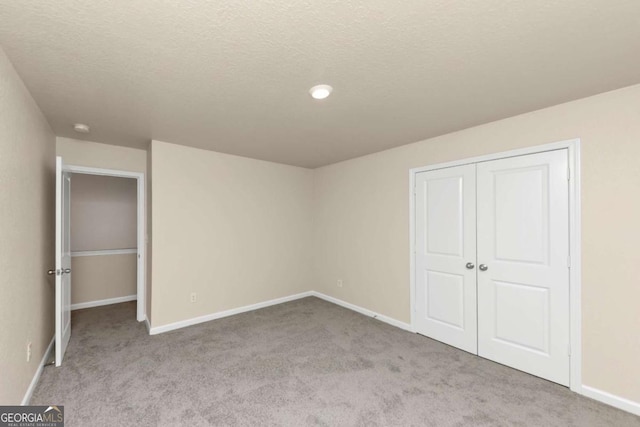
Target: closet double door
492	250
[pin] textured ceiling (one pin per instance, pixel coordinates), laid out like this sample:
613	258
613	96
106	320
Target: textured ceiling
233	76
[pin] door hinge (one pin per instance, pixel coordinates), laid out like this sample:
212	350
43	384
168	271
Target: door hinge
569	261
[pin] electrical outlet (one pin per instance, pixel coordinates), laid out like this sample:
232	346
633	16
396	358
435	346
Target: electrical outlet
339	283
29	351
193	297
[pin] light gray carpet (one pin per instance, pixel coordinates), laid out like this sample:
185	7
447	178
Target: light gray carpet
306	362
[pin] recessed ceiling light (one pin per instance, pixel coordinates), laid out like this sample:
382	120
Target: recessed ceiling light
81	128
320	91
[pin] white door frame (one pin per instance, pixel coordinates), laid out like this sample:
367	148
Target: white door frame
141	241
575	285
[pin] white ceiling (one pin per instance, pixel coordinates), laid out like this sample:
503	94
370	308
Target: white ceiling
233	76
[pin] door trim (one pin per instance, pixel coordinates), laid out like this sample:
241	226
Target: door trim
141	222
575	285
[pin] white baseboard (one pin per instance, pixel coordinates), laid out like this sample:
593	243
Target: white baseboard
611	399
101	302
184	323
386	319
36	377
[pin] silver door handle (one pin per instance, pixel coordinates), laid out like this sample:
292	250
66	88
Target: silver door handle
470	265
483	267
66	270
51	272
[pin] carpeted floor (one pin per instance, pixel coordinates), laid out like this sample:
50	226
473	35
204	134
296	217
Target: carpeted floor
306	362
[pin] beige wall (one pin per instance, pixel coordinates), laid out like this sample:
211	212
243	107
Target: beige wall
361	231
27	179
102	277
104	212
96	155
234	230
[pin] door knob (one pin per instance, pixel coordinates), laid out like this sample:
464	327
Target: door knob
66	270
470	265
51	272
483	267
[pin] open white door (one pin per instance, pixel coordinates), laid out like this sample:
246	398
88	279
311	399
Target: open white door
63	261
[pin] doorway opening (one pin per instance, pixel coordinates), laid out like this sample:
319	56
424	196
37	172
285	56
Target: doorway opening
107	237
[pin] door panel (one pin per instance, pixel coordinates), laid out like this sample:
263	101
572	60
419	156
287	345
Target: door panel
444	233
523	239
445	243
522	315
63	261
445	298
512	211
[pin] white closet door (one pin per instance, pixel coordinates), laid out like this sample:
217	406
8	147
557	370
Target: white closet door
445	256
63	261
523	241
